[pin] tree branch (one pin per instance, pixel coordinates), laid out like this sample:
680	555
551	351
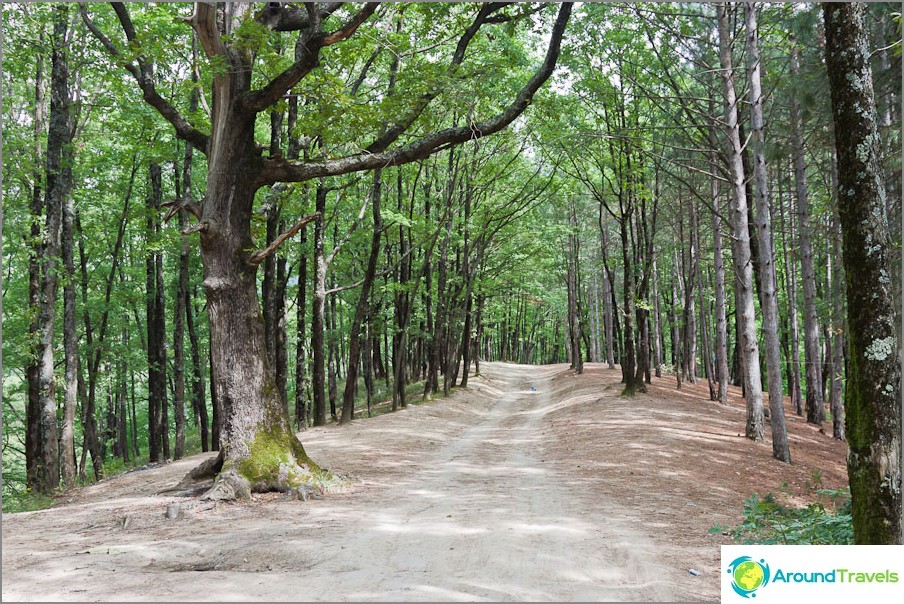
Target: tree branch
259	256
395	130
143	75
282	18
348	30
278	170
310	44
204	22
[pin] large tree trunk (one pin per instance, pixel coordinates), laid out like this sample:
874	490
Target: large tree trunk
35	257
259	450
741	241
873	395
769	295
58	179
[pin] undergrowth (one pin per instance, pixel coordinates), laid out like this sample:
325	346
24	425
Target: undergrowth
824	521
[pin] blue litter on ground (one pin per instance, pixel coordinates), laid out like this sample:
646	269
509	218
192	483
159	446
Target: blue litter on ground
694	572
533	388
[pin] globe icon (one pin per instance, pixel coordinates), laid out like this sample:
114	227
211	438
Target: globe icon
748	575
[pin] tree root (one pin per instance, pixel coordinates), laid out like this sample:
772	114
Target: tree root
193	481
220	479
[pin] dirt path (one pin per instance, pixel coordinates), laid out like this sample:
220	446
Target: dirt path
565	492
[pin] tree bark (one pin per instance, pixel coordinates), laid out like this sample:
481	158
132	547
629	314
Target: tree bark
873	395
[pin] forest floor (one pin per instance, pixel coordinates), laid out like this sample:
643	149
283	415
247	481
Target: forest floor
500	492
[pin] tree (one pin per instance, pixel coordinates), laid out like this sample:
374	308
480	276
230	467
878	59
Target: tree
58	188
259	450
768	289
873	394
741	239
811	327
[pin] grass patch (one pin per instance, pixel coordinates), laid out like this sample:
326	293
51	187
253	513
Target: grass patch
26	502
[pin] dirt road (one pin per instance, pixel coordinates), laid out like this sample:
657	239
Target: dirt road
480	496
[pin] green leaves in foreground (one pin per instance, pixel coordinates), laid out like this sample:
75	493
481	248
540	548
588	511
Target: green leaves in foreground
766	522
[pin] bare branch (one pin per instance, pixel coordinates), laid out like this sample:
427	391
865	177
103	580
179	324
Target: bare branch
259	256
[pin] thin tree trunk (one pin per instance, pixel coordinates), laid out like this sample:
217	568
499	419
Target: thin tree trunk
214	403
808	277
156	326
179	323
719	266
574	320
690	311
791	288
657	323
354	346
199	400
769	298
332	356
301	399
754	429
837	293
318	308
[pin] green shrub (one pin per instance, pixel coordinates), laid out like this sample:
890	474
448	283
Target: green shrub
768	522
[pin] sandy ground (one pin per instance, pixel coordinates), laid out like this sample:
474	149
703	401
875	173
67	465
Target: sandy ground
566	492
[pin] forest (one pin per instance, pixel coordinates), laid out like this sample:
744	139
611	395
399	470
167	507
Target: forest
227	225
